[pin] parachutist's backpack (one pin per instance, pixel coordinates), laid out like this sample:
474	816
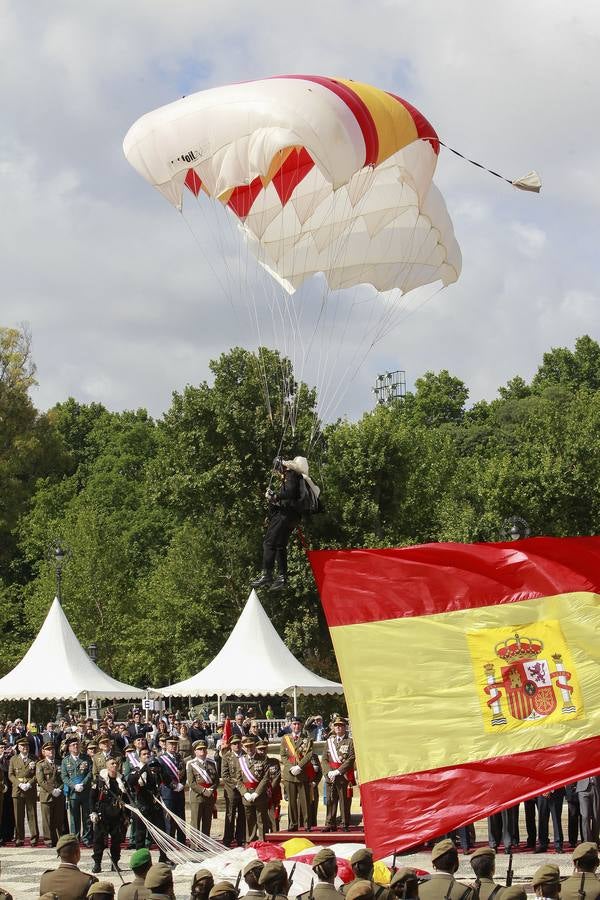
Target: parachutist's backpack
308	503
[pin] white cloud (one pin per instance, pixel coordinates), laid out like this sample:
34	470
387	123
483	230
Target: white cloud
530	240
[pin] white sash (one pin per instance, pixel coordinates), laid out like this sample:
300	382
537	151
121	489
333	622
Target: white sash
249	776
171	765
333	751
197	767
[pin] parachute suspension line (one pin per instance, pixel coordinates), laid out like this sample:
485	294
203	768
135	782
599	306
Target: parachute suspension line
530	182
201	841
176	851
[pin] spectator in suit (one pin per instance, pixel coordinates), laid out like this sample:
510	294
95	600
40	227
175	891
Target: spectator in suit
137	728
587	794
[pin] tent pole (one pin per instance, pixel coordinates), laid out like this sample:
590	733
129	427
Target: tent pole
28	711
218	707
87	705
295	700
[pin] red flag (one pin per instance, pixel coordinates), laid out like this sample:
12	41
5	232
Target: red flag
471	674
227	730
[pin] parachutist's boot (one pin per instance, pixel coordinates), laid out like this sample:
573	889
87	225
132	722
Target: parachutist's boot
264	581
279	583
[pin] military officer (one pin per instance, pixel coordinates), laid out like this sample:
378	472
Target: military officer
202	884
338	762
363	867
483	863
173	784
274	880
324	865
105	743
202	779
405	884
52	802
68	881
144	784
442	883
235	818
251	873
298	772
140	864
274	786
76	774
21	773
583	884
253	784
546	882
108	815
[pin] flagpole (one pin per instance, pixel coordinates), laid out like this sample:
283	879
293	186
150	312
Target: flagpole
295	700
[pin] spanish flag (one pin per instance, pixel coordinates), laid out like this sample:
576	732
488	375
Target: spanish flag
471	673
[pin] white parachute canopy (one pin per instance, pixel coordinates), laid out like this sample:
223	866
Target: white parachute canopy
253	662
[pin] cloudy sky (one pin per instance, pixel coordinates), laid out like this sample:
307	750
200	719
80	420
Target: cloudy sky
126	299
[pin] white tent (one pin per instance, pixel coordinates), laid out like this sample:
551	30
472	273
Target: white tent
56	666
253	662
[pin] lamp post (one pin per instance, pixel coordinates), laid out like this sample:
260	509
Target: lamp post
59	558
92	651
515	528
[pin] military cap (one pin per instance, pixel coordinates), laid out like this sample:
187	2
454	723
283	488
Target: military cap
91	745
322	856
48	746
105	739
162	738
248	741
102	887
140	858
362	855
254	865
262	743
297	719
271	870
22	741
514	892
404	874
172	739
546	874
199	745
201	874
72	739
483	851
235	739
587	847
360	888
66	840
222	889
338	721
158	876
442	847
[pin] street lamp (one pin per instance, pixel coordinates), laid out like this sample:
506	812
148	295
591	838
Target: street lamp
515	528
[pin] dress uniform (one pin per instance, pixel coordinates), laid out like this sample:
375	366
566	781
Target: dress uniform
76	774
68	881
52	803
338	761
100	758
21	773
313	792
172	787
253	785
108	815
296	753
144	783
274	787
442	883
202	780
584	883
235	818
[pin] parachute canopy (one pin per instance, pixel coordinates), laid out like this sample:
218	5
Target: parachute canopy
325	175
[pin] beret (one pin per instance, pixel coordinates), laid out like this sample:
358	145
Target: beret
140	858
442	847
159	876
583	850
360	888
546	874
67	840
102	887
322	856
362	855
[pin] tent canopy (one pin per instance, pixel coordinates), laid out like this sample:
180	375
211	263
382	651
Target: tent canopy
253	662
57	667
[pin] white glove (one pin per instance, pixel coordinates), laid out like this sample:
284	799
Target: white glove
79	788
25	785
178	787
56	792
93	818
247	797
295	770
253	796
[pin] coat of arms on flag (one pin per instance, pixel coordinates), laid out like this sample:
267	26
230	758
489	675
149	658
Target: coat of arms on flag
525	677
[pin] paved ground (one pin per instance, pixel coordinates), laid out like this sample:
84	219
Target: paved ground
23	866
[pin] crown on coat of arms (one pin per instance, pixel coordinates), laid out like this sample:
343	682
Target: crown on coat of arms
518	647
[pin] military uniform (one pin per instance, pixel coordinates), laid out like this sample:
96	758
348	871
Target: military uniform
202	779
69	882
134	890
74	771
296	751
235	818
274	786
253	781
100	758
443	885
52	801
313	792
106	801
21	771
173	783
144	783
339	757
582	885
